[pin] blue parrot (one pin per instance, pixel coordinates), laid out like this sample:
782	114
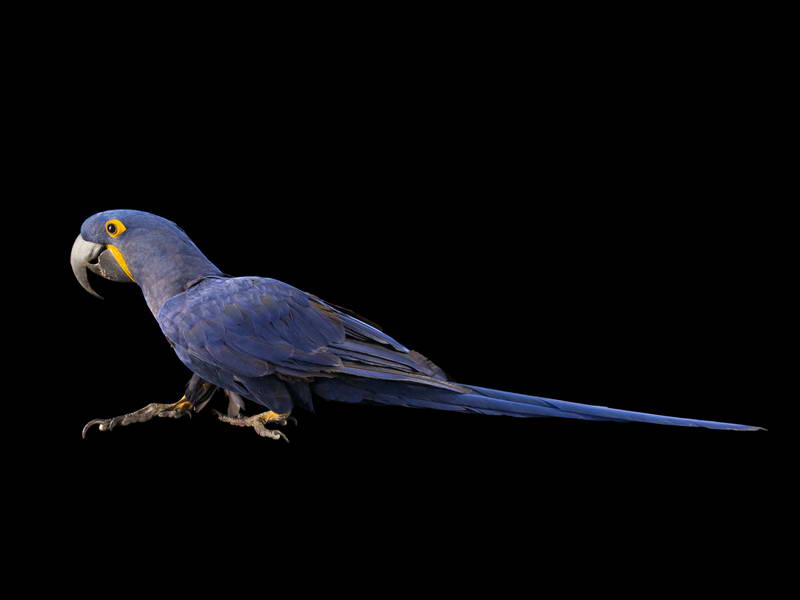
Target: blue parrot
262	340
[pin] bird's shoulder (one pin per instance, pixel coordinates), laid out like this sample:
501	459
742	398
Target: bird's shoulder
249	302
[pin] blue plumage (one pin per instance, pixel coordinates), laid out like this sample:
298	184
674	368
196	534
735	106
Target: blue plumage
276	345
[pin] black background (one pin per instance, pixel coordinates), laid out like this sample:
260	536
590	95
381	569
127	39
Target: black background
568	227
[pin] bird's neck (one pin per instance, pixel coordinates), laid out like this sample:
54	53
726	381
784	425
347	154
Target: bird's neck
166	271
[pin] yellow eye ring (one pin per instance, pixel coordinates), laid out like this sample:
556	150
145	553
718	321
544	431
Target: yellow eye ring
115	228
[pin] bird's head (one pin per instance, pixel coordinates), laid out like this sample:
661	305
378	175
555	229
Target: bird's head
123	245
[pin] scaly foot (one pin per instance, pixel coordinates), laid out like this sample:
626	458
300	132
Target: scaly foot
173	411
257	422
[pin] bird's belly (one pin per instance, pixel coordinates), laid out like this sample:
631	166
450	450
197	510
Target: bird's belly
209	373
268	391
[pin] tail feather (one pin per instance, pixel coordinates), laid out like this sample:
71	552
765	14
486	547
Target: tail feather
492	402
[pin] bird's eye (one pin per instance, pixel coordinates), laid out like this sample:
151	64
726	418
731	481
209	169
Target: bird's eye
115	228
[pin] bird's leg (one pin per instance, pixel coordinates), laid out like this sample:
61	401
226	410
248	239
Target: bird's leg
198	393
235	404
258	423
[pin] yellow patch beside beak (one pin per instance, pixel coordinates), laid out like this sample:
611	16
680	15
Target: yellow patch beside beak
120	260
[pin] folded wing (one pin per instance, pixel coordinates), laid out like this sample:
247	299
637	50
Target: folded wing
254	327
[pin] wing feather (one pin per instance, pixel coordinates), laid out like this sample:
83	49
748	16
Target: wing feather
253	326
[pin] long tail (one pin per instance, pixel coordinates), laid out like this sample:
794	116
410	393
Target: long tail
491	402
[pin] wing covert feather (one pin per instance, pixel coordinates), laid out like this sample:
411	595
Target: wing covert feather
254	326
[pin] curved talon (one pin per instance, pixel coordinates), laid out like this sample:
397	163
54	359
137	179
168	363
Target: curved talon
273	434
86	427
279	435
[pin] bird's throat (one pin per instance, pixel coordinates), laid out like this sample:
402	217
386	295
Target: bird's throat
120	260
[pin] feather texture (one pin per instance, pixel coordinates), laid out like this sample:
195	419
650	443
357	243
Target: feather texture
255	335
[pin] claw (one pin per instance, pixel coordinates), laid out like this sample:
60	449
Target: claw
88	426
257	423
174	411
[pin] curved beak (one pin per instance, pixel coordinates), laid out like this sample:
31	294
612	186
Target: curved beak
88	256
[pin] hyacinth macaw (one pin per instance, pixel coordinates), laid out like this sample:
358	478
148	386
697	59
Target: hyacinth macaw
265	341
